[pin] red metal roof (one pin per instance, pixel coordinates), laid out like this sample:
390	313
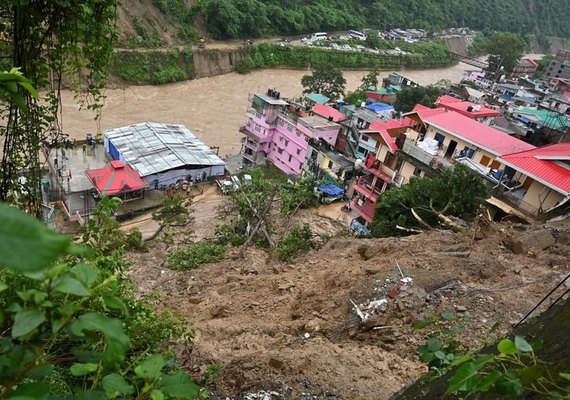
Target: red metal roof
115	178
424	111
327	111
462	107
492	140
382	128
549	165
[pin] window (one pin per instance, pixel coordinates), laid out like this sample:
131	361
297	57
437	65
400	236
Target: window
258	115
281	123
286	143
298	132
258	128
281	139
290	157
280	150
364	138
330	166
290	127
485	160
389	160
298	152
440	138
417	171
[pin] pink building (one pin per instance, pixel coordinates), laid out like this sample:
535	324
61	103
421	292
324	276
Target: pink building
279	133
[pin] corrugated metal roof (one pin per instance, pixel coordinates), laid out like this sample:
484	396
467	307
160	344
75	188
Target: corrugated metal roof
547	164
152	147
490	139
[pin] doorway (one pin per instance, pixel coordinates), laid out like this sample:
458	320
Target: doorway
450	149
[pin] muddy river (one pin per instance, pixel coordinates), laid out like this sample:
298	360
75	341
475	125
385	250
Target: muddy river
213	108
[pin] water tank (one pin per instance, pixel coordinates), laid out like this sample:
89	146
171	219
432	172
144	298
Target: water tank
358	103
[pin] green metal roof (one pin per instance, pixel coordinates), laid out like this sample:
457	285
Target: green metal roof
547	118
318	98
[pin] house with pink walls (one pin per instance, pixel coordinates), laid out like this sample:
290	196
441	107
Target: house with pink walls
278	132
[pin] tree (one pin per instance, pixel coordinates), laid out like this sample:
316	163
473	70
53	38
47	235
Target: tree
47	40
457	192
373	39
505	50
353	97
407	98
326	80
370	80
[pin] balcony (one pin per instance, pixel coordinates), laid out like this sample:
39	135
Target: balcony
250	144
248	154
364	186
434	161
364	208
247	129
374	166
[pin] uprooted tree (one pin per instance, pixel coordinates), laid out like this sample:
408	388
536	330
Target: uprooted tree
426	203
252	207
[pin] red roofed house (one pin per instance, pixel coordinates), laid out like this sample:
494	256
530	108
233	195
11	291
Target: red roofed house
471	110
536	181
445	138
118	180
329	113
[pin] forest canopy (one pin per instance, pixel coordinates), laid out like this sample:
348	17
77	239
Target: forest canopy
254	18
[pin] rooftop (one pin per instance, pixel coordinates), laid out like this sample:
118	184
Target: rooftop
547	118
549	165
317	98
152	147
327	111
271	100
317	124
115	178
467	108
424	111
476	133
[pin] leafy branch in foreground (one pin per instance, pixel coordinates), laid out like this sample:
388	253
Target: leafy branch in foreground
67	314
511	372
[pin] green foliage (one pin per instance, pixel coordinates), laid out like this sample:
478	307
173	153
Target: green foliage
479	45
511	372
297	241
12	84
71	322
155	67
407	98
370	80
543	64
423	55
327	80
194	255
353	97
47	40
457	192
174	209
226	234
229	19
505	50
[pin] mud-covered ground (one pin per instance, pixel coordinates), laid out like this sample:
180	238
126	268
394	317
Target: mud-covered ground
292	329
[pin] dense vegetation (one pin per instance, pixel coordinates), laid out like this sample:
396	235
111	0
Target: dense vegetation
268	55
423	201
73	326
156	67
255	18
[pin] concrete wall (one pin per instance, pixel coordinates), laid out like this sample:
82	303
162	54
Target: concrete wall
216	61
541	197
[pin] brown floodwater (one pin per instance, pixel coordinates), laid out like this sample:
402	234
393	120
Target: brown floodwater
213	108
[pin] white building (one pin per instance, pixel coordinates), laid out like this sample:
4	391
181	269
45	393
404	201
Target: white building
163	153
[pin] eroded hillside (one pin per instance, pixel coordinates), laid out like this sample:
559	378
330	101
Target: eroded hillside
293	329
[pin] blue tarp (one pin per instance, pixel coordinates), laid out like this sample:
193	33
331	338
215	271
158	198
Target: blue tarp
331	190
376	107
523	119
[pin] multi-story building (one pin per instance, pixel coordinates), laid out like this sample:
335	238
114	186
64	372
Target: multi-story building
379	170
560	65
279	132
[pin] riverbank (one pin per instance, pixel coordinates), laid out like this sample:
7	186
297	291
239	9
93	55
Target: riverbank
213	108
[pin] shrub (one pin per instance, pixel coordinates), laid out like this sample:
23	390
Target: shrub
194	255
297	241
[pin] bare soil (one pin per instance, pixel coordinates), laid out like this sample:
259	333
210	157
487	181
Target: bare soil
292	329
